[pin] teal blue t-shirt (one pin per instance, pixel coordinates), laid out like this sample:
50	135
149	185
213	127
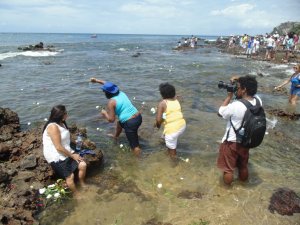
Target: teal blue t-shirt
124	108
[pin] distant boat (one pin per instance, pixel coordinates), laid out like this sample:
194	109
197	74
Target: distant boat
94	36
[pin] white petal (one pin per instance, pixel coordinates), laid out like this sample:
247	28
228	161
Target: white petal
159	185
42	191
49	196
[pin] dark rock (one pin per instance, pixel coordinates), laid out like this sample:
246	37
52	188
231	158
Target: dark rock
285	202
4	152
281	113
4	176
28	162
154	221
136	54
190	195
23	150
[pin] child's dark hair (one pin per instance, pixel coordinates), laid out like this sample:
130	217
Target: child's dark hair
250	83
167	90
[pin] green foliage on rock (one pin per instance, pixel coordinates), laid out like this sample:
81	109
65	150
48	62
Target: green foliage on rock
287	27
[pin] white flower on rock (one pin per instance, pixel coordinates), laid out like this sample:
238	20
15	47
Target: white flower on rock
56	195
49	196
42	191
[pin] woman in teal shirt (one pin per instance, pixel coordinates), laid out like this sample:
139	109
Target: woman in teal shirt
119	105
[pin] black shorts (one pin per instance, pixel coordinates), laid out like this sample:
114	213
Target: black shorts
64	168
131	127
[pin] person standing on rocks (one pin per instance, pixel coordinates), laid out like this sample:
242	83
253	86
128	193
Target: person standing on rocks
57	149
232	154
295	85
119	105
169	114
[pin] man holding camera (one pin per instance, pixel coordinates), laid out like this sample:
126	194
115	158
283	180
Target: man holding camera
233	154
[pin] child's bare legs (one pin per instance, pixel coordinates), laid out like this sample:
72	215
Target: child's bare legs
172	153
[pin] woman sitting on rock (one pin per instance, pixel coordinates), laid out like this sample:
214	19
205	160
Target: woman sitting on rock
57	150
295	85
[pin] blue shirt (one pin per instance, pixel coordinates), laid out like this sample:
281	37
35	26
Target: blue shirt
124	108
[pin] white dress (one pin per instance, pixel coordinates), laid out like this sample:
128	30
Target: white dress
49	150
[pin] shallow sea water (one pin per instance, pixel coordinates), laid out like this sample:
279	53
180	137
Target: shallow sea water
125	190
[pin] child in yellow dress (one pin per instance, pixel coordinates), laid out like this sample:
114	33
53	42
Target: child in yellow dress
169	113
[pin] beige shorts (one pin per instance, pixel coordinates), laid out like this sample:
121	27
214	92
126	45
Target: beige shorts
171	139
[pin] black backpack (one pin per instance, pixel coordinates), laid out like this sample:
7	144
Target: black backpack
253	128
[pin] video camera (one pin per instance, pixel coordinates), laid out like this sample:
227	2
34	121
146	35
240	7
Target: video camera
232	87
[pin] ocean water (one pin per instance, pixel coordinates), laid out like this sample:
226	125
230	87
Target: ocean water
33	82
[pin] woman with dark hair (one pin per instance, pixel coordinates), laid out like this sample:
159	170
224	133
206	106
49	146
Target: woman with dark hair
130	119
57	150
169	113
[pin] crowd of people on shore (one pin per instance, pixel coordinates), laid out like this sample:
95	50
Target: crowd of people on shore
188	42
271	42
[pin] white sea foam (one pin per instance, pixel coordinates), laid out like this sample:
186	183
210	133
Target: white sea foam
271	123
28	53
289	71
122	49
279	66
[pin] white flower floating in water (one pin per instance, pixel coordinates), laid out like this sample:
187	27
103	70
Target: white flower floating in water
46	119
153	110
121	145
143	103
133	98
97	107
159	185
42	191
28	123
185	160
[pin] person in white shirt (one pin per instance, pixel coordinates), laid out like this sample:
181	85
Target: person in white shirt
57	150
232	154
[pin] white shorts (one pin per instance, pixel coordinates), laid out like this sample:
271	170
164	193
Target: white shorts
171	139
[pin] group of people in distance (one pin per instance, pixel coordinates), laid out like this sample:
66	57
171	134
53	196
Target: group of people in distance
65	161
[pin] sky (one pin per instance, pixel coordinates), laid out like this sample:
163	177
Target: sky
177	17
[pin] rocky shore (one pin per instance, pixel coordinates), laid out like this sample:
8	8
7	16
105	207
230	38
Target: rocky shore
23	169
279	57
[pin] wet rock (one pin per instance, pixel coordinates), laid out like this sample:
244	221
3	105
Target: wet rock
136	54
190	195
281	113
4	152
29	162
21	151
154	221
4	176
285	202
